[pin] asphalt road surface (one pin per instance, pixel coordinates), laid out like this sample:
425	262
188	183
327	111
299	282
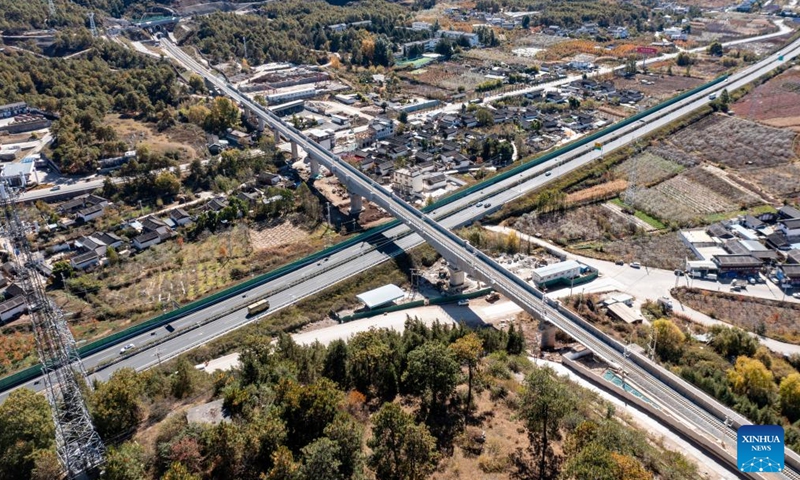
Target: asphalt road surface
313	278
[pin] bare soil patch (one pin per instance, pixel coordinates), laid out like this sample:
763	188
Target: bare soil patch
584	224
664	86
275	234
775	103
658	250
188	139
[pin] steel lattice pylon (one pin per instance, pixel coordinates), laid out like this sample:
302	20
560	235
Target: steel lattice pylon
79	447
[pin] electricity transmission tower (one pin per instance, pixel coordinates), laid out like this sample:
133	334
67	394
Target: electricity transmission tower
92	26
78	445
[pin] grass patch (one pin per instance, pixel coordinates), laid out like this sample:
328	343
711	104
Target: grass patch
653	222
758	210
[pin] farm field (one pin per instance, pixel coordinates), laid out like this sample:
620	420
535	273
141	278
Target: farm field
448	76
585	224
737	143
782	182
664	86
648	168
776	319
658	250
775	103
680	200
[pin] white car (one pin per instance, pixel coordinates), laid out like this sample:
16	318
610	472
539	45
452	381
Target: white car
126	348
463	302
796	295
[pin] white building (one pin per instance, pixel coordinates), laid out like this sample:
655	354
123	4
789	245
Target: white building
455	35
421	26
288	96
408	181
382	127
324	137
565	270
675	33
23	170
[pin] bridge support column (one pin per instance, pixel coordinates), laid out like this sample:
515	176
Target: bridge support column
314	168
277	137
547	332
457	276
295	154
261	124
356	204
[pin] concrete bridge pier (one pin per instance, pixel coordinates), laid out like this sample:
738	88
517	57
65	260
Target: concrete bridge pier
277	137
356	204
457	276
314	168
295	151
261	124
547	332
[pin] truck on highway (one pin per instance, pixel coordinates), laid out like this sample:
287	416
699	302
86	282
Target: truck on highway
258	307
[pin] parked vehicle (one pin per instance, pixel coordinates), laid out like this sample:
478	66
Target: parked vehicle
619	262
463	302
636	265
493	297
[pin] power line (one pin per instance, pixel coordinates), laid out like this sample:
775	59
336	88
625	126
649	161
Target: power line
79	447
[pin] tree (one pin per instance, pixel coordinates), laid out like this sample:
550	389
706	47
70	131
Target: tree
683	59
197	83
732	342
125	462
283	465
432	370
46	465
630	66
177	471
526	21
593	461
320	460
669	340
468	350
402	117
307	409
484	117
371	364
545	403
574	103
348	435
516	341
335	364
61	272
401	450
444	48
183	383
715	49
224	114
25	427
751	378
117	406
790	396
197	114
166	184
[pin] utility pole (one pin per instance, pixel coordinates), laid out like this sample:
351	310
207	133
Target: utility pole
80	449
244	40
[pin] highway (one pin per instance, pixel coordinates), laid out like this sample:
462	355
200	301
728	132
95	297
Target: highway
313	278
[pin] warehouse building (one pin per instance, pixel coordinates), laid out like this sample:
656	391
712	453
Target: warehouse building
557	272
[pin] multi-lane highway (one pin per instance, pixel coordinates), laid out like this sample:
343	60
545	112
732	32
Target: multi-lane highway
313	278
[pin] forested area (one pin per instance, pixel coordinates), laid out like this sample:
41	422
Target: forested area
571	13
20	16
82	90
296	31
383	405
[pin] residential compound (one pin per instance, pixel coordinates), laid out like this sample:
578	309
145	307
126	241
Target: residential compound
747	247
